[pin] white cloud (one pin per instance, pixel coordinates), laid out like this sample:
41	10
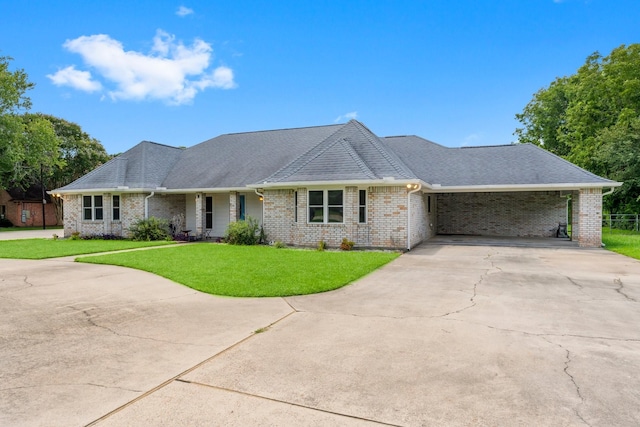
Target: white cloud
348	116
77	79
171	72
184	11
472	140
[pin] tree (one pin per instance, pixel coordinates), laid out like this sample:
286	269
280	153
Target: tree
592	119
25	145
77	154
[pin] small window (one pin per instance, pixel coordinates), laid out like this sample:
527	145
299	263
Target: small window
241	207
362	206
3	211
208	212
92	208
295	206
326	206
115	203
429	204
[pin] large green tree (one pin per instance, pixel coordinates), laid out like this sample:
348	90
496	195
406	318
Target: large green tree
25	145
592	118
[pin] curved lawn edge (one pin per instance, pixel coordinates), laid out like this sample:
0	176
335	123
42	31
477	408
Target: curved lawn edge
39	248
251	271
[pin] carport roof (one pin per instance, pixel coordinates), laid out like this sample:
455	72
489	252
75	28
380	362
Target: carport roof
501	165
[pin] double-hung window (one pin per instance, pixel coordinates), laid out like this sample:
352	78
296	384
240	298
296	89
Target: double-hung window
92	208
326	206
115	208
362	206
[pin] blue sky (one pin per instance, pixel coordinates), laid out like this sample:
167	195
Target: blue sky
178	73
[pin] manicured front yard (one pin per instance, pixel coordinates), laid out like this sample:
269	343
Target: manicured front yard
251	271
622	241
49	248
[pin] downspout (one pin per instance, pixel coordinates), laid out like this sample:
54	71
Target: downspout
146	204
262	209
609	192
417	187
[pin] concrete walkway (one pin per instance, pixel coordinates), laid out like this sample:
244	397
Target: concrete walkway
31	234
444	335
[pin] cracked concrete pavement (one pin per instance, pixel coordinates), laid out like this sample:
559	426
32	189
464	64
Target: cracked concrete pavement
444	335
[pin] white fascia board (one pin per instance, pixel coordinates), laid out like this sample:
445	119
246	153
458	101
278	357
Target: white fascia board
202	190
518	187
354	183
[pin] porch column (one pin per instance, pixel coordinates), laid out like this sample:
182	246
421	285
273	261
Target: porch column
589	206
199	214
233	206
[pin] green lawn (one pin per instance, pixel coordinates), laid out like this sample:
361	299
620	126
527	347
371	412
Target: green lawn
622	241
49	248
251	271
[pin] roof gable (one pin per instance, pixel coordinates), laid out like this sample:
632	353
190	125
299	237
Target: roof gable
143	166
351	153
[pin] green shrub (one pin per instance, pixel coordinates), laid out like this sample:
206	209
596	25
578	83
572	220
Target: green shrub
243	232
75	235
149	229
322	245
279	245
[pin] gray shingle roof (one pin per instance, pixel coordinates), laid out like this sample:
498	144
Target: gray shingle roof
143	166
351	153
519	164
239	159
343	152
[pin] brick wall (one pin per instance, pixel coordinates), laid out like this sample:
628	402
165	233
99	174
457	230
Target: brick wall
524	214
131	209
589	217
386	225
166	206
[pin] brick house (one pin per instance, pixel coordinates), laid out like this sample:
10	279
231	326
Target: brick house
330	182
23	207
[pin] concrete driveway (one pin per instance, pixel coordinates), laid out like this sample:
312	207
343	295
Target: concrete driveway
445	335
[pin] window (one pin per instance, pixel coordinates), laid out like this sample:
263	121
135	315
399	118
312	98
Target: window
92	208
115	204
241	207
362	206
325	206
295	206
3	211
208	212
429	204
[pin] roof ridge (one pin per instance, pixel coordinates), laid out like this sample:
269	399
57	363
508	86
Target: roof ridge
357	158
282	129
292	162
384	150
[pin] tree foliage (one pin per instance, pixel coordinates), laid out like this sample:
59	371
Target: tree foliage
25	145
592	118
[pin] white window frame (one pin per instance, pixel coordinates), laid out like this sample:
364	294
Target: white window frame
94	209
115	208
325	206
362	207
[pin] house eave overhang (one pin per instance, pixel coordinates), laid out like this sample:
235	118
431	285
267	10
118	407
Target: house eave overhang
157	190
436	188
343	183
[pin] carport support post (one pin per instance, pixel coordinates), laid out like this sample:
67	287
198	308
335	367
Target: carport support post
589	215
415	187
199	214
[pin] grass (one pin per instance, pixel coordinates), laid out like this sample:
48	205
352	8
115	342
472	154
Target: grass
251	271
52	228
622	241
49	248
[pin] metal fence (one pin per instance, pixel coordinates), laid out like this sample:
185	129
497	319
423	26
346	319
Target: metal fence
621	221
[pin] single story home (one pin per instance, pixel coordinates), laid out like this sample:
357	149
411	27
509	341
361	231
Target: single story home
340	181
23	207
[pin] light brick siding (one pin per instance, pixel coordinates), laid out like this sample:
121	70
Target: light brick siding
589	217
131	209
386	225
523	214
167	206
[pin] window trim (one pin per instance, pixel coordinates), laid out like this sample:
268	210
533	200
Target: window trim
93	207
325	205
115	208
362	208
